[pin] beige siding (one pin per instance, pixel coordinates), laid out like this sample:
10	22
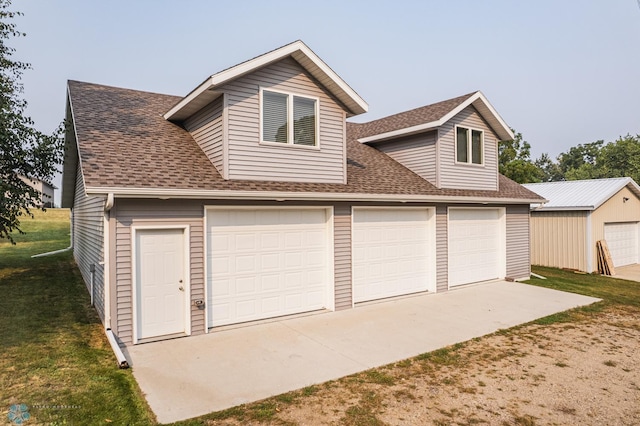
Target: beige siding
559	239
249	159
417	153
518	261
205	127
442	249
342	253
468	176
149	213
88	240
613	210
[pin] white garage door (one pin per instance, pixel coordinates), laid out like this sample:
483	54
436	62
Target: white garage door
393	252
476	245
264	263
622	239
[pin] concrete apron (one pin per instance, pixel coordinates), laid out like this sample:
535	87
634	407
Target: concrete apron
189	377
629	272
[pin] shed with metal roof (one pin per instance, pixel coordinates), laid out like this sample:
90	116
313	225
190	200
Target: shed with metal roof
564	231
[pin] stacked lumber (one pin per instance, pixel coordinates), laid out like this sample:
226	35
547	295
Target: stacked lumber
605	262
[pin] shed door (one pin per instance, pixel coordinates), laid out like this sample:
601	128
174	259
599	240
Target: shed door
622	239
393	253
265	263
476	245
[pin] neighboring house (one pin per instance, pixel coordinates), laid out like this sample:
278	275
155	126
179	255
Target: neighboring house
253	198
564	231
46	190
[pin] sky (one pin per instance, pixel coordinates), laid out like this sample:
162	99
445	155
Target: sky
560	72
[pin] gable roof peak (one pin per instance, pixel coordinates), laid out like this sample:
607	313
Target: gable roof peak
300	52
587	194
432	116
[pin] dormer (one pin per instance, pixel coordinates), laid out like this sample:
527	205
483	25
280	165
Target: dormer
278	117
453	144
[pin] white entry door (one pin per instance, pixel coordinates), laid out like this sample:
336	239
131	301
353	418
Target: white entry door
160	282
476	245
622	239
267	262
393	252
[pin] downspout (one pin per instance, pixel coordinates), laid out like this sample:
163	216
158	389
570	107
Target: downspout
122	360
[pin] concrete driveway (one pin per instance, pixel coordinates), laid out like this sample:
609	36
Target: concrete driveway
629	272
188	377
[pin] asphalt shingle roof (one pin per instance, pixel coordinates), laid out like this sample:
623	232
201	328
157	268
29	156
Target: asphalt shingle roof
413	117
124	142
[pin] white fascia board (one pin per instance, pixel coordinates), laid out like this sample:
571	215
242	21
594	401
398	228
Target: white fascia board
187	99
295	196
562	209
426	126
497	116
261	61
401	132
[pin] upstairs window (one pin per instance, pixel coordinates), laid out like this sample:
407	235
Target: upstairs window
289	119
469	145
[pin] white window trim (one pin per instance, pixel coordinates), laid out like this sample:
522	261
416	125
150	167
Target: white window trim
469	146
290	96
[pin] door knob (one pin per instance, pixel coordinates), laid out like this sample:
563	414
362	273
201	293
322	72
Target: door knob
181	288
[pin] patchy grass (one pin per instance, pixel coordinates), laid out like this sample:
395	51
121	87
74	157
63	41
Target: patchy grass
613	292
54	356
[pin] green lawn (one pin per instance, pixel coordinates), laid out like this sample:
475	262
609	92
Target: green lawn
54	356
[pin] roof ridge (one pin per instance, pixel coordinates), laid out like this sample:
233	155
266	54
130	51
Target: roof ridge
109	86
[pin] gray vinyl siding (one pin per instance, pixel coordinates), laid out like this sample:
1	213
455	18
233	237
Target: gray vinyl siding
442	249
468	176
249	159
205	127
149	213
342	256
88	240
129	212
417	153
518	247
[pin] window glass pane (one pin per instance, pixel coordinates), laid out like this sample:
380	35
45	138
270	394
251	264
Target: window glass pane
274	117
476	147
461	145
304	121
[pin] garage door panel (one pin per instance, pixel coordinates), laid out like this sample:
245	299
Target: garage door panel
622	240
266	263
392	253
475	248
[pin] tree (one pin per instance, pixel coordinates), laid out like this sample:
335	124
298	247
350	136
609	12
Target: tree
580	160
24	151
550	170
621	158
514	159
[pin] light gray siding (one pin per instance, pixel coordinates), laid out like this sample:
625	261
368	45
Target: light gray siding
206	127
129	212
150	213
342	254
417	153
468	176
88	240
518	247
442	249
250	159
